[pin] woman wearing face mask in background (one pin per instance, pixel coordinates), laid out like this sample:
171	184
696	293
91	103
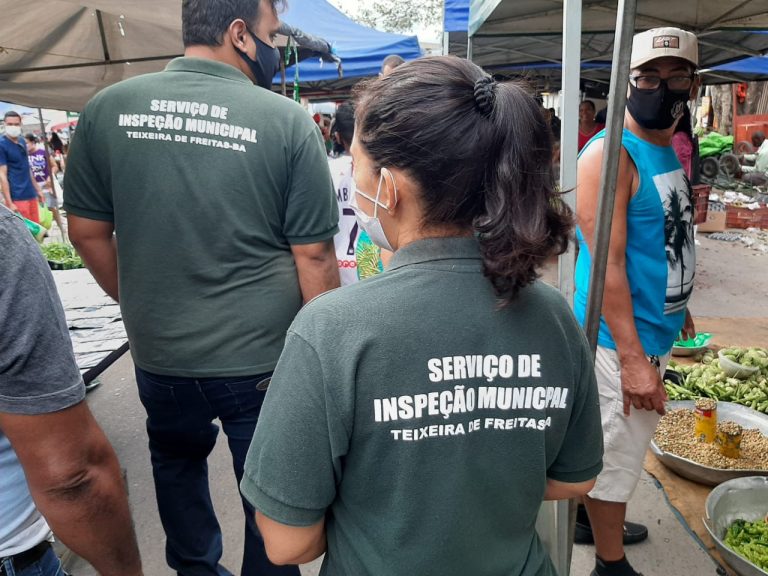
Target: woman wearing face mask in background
416	420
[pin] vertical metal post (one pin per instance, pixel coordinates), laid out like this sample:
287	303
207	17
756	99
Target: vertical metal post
470	48
622	51
569	103
557	520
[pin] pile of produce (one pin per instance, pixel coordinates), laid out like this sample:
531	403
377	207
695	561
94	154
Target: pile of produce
676	434
750	540
61	256
708	380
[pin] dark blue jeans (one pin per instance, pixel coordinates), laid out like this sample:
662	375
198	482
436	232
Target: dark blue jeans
48	565
180	414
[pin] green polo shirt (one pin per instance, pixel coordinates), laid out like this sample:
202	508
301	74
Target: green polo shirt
422	421
209	180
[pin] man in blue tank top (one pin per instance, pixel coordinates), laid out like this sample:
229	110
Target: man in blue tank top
648	281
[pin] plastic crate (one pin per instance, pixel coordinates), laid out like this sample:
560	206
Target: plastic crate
738	217
700	201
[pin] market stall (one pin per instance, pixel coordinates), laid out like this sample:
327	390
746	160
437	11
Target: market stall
690	453
59	53
526	36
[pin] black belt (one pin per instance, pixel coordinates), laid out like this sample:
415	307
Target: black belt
25	559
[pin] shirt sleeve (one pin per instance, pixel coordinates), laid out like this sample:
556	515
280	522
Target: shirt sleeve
86	194
294	461
38	372
3	157
581	454
312	213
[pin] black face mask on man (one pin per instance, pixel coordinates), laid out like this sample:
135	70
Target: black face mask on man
266	64
656	109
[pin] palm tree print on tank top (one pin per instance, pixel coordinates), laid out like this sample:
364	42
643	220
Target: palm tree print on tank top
676	198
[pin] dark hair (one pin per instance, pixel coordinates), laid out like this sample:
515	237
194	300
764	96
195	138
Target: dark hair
589	103
29	137
344	124
684	124
600	117
56	142
392	61
481	155
204	22
11	114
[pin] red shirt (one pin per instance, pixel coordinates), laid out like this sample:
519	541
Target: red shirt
584	138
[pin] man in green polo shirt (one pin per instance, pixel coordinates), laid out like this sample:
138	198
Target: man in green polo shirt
223	212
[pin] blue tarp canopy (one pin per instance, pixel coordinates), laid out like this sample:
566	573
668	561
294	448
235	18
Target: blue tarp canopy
361	49
456	16
756	65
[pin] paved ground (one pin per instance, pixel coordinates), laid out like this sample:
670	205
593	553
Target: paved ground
724	291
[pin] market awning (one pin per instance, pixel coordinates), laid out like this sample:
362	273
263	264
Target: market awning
752	68
526	34
59	53
362	49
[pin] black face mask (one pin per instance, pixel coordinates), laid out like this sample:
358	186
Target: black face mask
656	109
266	64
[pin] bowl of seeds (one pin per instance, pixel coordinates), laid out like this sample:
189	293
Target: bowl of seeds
677	446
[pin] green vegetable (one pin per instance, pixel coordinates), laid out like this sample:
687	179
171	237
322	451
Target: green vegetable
708	380
62	254
750	540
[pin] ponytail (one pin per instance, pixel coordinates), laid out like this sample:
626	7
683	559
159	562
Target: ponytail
524	220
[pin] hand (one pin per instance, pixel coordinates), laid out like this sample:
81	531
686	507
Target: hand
689	330
642	386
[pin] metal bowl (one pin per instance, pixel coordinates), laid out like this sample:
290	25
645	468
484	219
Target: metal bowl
747	417
688	351
741	498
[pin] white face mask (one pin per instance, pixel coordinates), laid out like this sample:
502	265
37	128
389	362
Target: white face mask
13	131
372	224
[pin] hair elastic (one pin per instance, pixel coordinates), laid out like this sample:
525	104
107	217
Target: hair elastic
485	95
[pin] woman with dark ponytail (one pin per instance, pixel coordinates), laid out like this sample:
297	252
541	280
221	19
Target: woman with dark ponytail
417	419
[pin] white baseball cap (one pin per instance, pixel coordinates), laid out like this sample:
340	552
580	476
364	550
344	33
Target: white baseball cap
661	42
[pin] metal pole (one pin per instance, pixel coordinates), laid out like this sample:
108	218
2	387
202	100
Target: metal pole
565	510
569	144
622	51
470	48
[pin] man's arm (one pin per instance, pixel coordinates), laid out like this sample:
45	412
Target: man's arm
556	490
6	187
75	480
640	382
291	544
95	242
317	267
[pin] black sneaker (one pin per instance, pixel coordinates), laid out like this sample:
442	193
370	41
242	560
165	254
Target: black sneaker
619	568
633	532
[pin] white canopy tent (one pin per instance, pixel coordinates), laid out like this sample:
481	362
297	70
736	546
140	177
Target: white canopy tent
527	34
59	53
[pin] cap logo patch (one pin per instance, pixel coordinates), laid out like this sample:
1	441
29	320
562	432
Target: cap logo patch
666	42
